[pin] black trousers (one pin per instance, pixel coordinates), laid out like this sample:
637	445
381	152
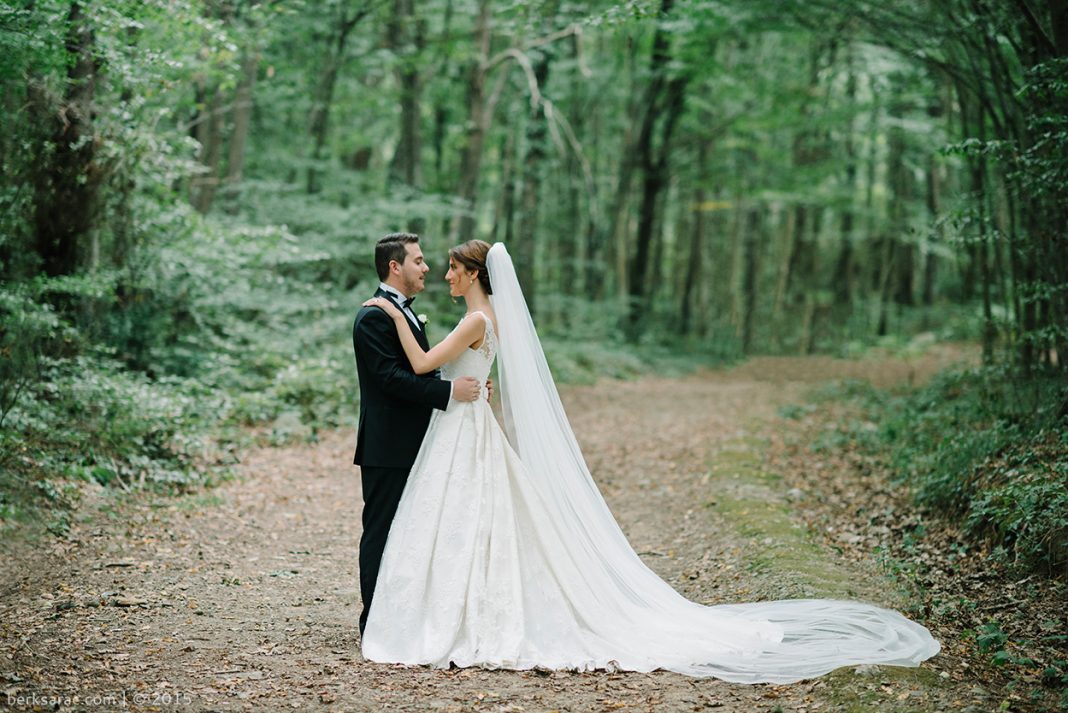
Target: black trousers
382	489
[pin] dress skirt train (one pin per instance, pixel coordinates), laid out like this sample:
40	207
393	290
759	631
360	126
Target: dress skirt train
480	570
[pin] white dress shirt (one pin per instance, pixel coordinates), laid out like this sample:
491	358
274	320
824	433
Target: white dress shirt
401	299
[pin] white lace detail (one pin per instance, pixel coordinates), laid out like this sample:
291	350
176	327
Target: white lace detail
478	362
488	347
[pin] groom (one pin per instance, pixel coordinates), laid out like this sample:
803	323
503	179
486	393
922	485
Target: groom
395	403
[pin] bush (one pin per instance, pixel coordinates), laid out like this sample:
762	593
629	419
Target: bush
88	419
580	362
987	447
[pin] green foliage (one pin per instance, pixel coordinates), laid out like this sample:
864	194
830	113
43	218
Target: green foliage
238	313
584	362
991	638
318	390
1024	505
128	377
984	446
87	419
28	330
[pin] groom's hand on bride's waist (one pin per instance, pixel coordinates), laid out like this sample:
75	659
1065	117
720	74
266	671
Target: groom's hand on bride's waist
466	388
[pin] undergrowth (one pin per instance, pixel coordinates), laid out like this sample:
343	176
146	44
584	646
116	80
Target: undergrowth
985	447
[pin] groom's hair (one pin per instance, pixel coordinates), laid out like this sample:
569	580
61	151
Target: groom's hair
392	247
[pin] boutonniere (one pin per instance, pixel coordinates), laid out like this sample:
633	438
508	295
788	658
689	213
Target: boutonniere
421	318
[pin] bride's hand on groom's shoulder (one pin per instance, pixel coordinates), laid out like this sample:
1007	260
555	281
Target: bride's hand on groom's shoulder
385	305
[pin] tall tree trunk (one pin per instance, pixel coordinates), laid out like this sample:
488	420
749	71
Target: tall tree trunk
782	282
810	147
617	218
844	287
572	237
504	214
323	95
694	257
616	224
67	179
1052	242
209	136
596	276
900	185
463	224
407	38
810	299
441	106
124	190
978	170
208	124
653	276
665	100
871	281
998	207
890	272
934	208
750	275
798	260
1058	15
235	164
536	140
585	205
970	260
1029	322
844	283
885	269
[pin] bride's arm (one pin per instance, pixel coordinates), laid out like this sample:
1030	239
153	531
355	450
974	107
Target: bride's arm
465	335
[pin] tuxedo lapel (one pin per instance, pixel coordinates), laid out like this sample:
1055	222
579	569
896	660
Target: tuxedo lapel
393	298
417	330
420	336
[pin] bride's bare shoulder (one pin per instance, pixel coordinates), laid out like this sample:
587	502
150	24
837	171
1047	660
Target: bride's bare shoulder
488	322
490	317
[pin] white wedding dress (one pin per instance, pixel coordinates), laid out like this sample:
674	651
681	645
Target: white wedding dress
503	561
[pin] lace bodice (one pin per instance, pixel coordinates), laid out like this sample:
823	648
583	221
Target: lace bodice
474	362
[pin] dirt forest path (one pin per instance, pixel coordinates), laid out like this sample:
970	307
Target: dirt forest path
245	597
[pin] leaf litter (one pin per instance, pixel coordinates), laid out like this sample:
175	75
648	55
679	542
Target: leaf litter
248	598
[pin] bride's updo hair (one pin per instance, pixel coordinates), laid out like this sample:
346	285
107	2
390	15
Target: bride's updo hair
472	255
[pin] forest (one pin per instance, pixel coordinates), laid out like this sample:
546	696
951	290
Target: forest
190	193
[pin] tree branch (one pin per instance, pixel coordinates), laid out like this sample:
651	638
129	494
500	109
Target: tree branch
1032	20
548	39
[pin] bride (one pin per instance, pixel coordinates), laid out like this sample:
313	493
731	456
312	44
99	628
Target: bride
503	553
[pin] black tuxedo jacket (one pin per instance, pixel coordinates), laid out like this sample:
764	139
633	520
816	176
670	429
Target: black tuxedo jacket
395	402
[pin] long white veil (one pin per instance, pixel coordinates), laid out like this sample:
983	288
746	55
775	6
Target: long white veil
626	606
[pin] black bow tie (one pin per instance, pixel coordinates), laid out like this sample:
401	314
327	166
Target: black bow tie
408	302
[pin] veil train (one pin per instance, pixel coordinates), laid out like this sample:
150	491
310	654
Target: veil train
627	607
